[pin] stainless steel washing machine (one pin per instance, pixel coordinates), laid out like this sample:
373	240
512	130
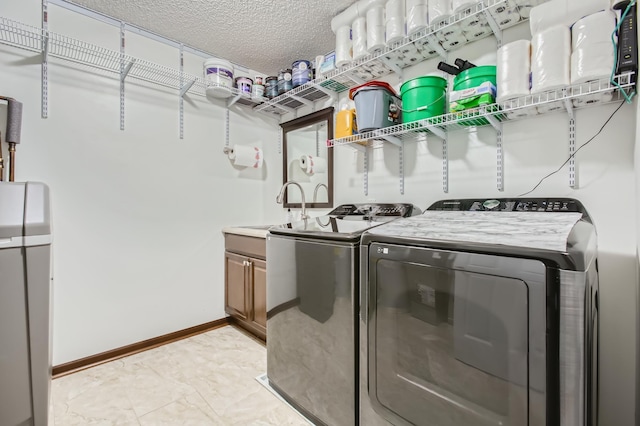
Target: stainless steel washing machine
312	306
481	312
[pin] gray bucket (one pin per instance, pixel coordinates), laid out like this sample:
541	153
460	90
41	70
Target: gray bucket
376	107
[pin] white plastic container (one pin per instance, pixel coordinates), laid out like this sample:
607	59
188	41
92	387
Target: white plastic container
218	76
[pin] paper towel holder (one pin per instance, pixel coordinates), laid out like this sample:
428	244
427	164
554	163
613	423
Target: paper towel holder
305	135
227	150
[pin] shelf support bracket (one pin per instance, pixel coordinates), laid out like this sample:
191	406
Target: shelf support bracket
572	139
445	165
307	102
437	47
393	140
497	31
365	175
358	147
437	131
186	87
226	129
401	167
393	66
355	79
572	151
326	91
123	74
280	142
494	122
500	160
44	87
182	91
233	100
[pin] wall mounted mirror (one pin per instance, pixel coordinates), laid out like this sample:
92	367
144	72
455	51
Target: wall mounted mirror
307	160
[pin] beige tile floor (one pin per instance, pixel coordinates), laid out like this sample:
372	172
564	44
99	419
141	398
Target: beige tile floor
204	380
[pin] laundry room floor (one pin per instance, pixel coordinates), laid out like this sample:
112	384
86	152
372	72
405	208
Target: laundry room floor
208	379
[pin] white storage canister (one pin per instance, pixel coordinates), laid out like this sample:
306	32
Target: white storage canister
218	76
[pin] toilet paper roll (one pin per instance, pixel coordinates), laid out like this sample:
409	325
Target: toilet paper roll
551	59
417	11
343	46
592	62
425	46
439	11
594	98
312	164
394	23
448	32
359	34
513	70
454	42
246	156
462	6
502	8
471	23
593	29
508	18
563	12
551	107
375	29
478	33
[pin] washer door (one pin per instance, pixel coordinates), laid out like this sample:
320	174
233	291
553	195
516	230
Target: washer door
449	340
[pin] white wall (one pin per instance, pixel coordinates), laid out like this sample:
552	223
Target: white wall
138	248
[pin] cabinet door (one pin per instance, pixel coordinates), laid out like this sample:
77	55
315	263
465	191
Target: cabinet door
236	294
259	278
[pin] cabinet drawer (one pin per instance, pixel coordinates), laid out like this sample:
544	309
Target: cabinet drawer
250	246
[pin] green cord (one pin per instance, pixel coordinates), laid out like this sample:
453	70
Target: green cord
627	97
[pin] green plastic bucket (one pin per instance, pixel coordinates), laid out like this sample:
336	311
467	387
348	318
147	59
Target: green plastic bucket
474	77
470	78
423	97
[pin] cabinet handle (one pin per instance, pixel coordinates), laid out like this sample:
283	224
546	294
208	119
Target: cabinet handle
245	263
249	263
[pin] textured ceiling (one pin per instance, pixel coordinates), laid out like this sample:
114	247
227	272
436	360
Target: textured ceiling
264	35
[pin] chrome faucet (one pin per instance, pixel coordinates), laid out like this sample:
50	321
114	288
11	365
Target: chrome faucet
280	197
315	191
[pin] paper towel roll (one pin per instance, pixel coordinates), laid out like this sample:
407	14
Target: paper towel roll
375	29
246	156
425	46
591	63
439	11
359	34
563	12
343	46
513	70
462	6
551	59
395	25
417	11
312	164
593	29
471	23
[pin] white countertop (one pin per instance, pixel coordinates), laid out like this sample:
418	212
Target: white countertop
247	231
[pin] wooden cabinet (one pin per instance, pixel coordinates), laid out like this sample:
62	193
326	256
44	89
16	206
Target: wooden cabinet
246	282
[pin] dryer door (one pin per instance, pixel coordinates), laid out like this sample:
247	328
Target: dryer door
453	338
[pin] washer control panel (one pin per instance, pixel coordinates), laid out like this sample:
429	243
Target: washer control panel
554	205
375	210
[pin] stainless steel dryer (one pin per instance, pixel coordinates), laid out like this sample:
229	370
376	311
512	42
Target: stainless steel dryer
312	307
481	312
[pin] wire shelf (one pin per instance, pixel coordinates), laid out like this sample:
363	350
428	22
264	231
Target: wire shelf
598	92
466	26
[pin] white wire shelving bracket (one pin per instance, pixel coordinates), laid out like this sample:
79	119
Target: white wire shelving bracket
44	47
428	43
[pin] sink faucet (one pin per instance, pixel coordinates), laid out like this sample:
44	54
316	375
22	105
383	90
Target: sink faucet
315	191
280	197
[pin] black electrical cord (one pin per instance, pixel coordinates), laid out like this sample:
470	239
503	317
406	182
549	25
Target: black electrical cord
574	154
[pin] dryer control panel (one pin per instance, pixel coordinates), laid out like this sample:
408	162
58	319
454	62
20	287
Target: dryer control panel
554	205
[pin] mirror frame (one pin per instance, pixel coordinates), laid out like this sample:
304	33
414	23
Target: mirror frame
325	114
